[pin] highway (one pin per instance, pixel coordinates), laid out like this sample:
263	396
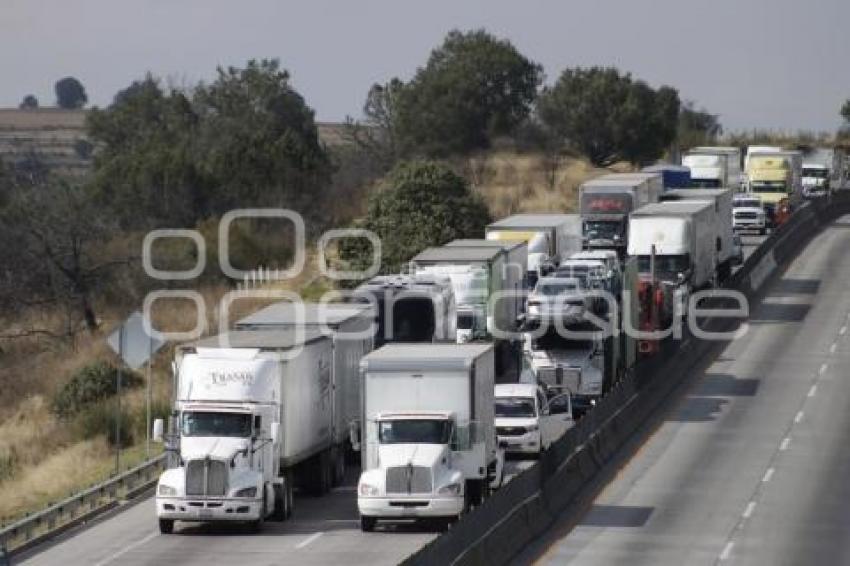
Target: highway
323	531
750	464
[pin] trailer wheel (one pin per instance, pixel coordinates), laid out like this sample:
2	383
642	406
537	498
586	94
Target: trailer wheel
367	524
166	526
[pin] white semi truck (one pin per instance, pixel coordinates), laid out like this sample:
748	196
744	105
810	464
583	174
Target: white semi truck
352	328
411	308
676	243
429	447
550	238
253	416
722	199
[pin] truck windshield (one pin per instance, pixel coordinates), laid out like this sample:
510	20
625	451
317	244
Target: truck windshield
768	187
665	263
706	183
414	431
603	229
196	423
515	407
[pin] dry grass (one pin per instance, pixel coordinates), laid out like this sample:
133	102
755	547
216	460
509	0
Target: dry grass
512	182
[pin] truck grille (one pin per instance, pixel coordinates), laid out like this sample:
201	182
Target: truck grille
409	479
510	430
746	215
206	477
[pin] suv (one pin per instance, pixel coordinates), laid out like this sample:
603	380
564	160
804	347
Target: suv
527	422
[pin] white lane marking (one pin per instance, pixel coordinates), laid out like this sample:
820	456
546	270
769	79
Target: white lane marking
785	443
309	540
833	348
727	550
748	512
843	330
127	549
823	368
812	390
767	475
798	417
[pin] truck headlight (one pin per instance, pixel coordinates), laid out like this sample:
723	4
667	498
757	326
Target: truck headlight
367	490
166	490
246	492
450	489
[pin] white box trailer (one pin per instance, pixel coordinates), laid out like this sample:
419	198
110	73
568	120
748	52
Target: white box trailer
352	329
551	238
722	199
487	281
682	235
733	162
429	442
253	417
410	308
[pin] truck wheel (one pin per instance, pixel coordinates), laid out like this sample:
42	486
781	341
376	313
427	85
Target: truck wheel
166	526
279	513
367	524
338	466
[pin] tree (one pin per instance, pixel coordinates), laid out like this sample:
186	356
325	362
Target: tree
145	169
378	134
845	111
473	88
697	126
58	256
70	93
421	204
610	117
29	102
258	140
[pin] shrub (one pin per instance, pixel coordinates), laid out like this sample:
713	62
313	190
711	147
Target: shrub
90	384
100	419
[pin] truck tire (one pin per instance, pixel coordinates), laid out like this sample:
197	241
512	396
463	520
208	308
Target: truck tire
338	455
280	503
166	526
367	524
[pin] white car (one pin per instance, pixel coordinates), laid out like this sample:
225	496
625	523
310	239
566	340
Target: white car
526	421
558	297
748	213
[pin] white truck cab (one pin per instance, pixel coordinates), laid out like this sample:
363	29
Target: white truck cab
526	421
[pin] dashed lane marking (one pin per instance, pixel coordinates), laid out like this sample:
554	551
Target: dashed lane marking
309	540
126	549
798	417
767	475
727	551
785	443
812	390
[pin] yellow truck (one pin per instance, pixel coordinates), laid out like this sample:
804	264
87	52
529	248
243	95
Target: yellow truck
777	178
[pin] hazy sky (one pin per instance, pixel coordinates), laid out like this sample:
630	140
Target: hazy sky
758	63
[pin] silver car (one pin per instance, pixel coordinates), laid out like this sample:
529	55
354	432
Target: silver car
564	298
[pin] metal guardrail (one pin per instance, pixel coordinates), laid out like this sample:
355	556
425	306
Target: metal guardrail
79	508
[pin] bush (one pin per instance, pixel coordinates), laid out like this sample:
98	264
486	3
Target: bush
101	418
90	384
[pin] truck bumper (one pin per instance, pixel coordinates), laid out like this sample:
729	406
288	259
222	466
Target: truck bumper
749	224
410	508
189	509
528	443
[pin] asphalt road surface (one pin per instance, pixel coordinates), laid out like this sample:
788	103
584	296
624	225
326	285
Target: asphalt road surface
751	464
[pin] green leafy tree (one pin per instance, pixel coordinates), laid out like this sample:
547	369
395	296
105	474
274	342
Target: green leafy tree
610	117
259	141
29	102
845	111
70	93
421	204
145	168
473	88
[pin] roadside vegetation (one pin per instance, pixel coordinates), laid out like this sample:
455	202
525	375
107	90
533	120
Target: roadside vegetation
473	135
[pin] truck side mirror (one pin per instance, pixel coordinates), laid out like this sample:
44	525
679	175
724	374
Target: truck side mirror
354	435
158	430
274	433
